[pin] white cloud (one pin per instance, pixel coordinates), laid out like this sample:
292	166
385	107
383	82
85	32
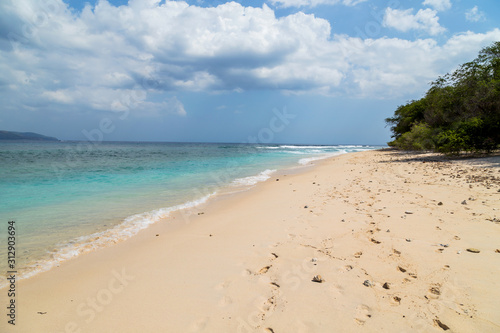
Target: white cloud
391	66
313	3
438	4
136	57
58	96
474	15
404	20
173	105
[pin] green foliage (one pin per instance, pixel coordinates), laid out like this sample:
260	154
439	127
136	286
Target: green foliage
418	138
460	112
406	116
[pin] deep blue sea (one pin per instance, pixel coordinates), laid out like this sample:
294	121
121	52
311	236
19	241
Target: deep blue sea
68	198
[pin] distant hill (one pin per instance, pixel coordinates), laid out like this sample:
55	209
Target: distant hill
7	135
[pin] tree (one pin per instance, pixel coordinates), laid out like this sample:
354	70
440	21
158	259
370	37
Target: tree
460	111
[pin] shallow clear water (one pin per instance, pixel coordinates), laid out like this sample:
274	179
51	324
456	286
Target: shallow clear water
68	198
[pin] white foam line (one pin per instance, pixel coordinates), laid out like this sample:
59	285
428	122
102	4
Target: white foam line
135	223
252	180
308	147
84	244
305	161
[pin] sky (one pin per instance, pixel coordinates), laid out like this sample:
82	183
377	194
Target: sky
274	71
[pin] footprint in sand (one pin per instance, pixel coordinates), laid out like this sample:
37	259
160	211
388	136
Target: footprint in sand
346	268
222	285
362	314
396	300
306	327
269	304
264	279
246	272
434	291
264	270
224	301
336	290
199	324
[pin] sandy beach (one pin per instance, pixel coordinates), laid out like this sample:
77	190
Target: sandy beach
376	241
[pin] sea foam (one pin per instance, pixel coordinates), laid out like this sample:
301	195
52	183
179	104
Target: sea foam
252	180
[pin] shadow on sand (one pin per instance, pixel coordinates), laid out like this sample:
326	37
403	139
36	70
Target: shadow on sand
481	160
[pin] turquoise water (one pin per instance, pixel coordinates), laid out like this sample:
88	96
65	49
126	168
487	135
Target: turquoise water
68	198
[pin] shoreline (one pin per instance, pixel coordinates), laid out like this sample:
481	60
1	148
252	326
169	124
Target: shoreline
246	263
131	225
128	227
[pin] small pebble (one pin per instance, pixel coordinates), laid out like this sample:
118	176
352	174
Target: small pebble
441	325
440	203
368	283
408	212
464	202
318	278
386	286
473	250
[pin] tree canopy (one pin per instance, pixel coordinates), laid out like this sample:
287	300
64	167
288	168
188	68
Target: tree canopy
459	113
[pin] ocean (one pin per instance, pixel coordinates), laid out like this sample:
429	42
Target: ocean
69	198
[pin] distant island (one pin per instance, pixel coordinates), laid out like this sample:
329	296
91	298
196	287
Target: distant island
7	135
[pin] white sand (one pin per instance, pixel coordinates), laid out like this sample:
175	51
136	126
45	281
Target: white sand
247	263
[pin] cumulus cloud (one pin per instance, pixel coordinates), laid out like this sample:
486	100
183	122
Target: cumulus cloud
137	58
173	105
438	4
389	65
314	3
474	15
404	20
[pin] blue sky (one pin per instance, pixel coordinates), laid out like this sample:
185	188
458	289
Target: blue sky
216	71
